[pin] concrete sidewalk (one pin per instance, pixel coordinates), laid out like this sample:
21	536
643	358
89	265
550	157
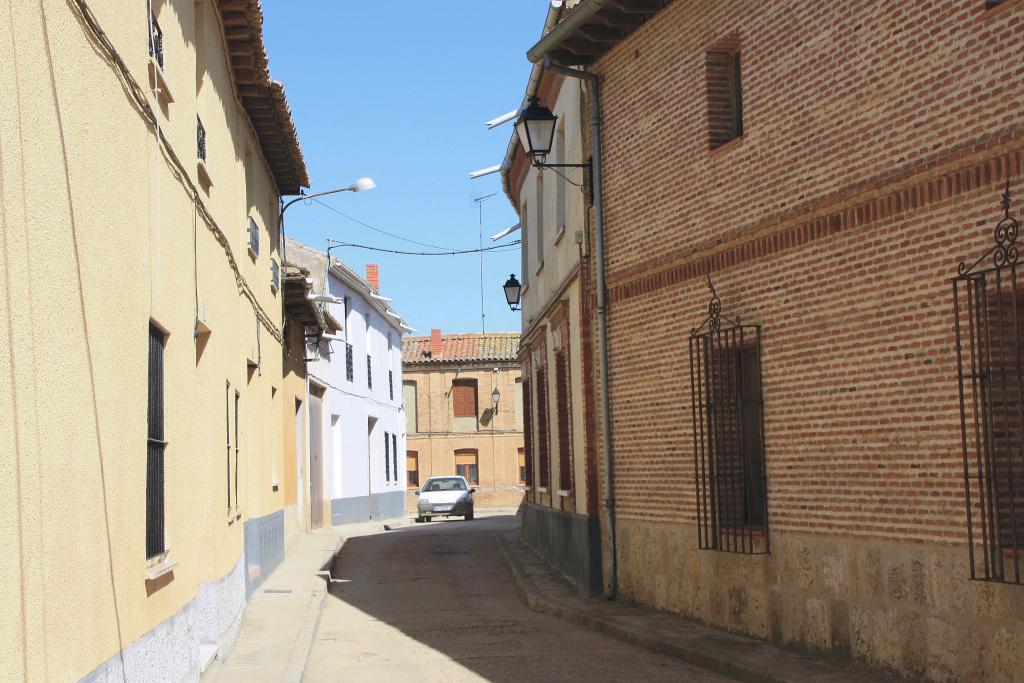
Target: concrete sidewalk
739	657
282	615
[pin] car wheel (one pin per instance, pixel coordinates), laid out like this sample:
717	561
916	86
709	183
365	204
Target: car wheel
419	519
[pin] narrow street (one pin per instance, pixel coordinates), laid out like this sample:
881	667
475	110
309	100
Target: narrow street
434	602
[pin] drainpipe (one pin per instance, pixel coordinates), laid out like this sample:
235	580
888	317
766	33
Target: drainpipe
611	587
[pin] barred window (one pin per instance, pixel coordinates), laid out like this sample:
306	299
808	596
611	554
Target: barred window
729	464
528	433
989	318
200	139
394	455
349	364
369	371
156	42
391	384
387	457
155	445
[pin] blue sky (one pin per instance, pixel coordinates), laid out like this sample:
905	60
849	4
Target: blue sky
399	91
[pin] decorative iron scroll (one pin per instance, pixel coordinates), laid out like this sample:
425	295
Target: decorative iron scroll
713	323
1004	252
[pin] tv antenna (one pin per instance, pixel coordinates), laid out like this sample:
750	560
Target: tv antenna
480	205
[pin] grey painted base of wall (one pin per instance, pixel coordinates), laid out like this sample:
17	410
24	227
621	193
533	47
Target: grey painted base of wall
387	505
176	649
571	543
264	548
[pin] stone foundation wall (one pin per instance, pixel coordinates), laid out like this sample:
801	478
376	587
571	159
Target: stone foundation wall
569	542
910	609
178	648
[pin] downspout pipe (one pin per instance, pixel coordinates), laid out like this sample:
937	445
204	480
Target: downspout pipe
611	585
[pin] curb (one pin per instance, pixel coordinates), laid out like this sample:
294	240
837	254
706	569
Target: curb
296	669
705	657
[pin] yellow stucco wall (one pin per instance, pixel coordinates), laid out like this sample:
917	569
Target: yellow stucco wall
98	237
436	433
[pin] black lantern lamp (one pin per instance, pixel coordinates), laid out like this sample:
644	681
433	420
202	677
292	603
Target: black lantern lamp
536	130
512	292
495	397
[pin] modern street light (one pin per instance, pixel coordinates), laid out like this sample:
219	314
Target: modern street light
513	290
361	184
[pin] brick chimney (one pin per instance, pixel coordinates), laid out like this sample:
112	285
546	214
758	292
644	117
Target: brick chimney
435	344
373	276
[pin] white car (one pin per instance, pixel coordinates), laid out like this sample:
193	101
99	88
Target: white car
445	497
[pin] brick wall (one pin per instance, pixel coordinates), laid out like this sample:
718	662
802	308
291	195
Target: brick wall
876	144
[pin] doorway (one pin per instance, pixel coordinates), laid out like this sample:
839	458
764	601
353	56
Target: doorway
316	459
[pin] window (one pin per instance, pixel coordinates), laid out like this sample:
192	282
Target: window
387	457
519	403
349	369
528	431
254	237
466	464
543	445
989	314
156	42
522	467
155	445
559	181
412	469
200	139
563	395
238	398
524	248
275	275
538	219
729	466
391	384
227	436
409	398
394	455
464	398
725	97
369	372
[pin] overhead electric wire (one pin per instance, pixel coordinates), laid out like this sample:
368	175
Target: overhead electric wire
453	252
375	229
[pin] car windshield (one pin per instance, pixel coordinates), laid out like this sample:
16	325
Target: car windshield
448	484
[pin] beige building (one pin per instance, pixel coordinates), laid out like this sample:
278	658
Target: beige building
560	519
144	486
453	424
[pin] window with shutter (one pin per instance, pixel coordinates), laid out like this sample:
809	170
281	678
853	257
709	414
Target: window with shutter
464	398
466	464
387	458
543	439
564	413
528	431
394	455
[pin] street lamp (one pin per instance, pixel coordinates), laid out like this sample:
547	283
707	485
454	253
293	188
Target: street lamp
495	395
512	293
536	129
359	185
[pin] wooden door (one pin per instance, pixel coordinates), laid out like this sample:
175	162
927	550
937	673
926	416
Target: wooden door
316	462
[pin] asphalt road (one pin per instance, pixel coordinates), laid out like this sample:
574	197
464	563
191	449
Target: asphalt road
434	602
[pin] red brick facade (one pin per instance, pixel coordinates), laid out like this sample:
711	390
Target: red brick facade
877	139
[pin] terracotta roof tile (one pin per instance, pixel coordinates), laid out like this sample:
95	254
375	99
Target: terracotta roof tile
493	346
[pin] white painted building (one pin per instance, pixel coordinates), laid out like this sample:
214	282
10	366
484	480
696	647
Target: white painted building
357	424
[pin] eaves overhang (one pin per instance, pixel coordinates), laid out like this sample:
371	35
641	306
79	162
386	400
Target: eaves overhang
261	96
592	29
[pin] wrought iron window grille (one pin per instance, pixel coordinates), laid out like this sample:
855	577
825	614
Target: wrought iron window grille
988	306
200	139
369	371
728	433
156	42
275	274
349	364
